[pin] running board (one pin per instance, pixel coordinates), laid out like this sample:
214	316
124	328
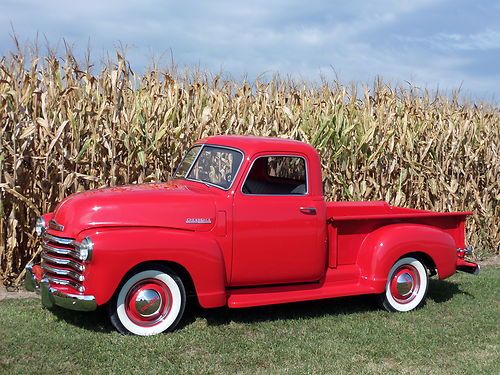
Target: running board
261	296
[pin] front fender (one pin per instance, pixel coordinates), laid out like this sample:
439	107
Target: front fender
383	247
118	250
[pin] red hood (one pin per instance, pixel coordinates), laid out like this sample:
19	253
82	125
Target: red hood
168	205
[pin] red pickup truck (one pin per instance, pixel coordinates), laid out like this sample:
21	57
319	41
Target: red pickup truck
242	223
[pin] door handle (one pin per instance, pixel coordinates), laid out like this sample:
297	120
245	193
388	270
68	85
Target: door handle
308	210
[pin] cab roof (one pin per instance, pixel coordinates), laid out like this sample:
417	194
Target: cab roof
251	144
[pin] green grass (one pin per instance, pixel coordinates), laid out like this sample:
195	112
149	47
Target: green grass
457	332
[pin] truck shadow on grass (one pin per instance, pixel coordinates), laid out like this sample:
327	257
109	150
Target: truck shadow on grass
98	321
440	291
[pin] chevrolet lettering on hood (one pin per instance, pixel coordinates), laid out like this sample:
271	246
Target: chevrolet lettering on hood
198	220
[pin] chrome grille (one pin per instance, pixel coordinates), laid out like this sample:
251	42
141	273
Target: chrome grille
61	261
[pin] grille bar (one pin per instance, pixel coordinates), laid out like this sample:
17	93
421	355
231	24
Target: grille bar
58	281
60	240
63	272
63	262
60	251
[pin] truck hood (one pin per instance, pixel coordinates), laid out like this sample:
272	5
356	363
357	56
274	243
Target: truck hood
168	205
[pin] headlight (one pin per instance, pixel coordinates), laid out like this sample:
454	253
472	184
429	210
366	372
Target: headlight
86	247
40	226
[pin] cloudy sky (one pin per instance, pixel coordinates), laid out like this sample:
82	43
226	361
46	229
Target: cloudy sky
442	44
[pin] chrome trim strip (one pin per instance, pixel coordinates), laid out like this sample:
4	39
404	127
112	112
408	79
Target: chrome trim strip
278	195
64	262
58	281
63	272
73	253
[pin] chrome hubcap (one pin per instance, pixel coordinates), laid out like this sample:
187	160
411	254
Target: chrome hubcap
148	302
404	284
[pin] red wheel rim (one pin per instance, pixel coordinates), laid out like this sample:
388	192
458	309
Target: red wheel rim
148	302
405	284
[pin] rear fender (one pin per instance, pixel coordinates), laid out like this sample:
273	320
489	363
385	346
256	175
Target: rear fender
383	247
118	250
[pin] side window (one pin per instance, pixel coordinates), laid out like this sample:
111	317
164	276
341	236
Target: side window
277	175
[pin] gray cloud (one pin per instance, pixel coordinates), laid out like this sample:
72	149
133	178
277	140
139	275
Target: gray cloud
434	44
484	40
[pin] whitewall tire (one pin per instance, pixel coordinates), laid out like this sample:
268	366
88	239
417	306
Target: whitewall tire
406	286
149	302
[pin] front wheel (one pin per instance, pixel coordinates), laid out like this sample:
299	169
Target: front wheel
149	302
406	286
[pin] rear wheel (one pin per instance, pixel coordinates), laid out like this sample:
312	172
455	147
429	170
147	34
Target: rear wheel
406	286
149	302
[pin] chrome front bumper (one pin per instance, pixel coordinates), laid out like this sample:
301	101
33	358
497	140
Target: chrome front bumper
52	296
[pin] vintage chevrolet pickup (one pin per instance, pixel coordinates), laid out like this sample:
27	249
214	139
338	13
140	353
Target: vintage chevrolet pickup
242	223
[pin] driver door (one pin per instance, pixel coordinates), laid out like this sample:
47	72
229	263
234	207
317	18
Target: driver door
276	225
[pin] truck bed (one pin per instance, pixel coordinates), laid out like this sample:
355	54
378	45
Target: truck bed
351	222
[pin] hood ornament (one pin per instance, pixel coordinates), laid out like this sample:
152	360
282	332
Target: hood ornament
55	225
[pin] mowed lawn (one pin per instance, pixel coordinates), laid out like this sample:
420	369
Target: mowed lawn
457	332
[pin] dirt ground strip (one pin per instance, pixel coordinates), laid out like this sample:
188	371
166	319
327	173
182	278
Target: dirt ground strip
18	293
11	293
493	261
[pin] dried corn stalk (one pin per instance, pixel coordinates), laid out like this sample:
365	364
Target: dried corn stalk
66	129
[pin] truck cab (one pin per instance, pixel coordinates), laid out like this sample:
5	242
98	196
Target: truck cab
243	222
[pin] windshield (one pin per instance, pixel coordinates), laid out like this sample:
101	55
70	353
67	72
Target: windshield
213	165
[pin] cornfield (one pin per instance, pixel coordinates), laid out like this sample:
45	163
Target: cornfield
65	129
